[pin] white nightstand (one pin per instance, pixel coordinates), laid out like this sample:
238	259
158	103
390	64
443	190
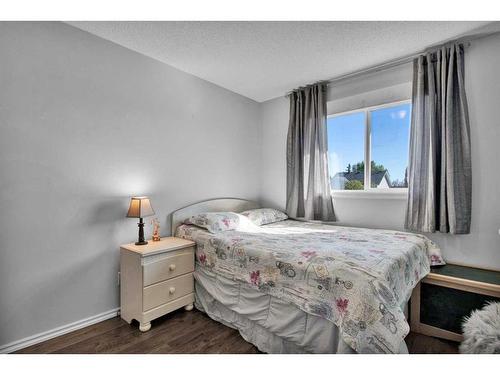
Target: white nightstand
156	279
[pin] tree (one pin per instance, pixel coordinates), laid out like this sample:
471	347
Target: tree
354	185
377	167
360	167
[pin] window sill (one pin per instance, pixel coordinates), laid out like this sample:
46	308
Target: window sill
371	194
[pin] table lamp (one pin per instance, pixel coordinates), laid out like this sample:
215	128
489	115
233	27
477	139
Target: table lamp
140	207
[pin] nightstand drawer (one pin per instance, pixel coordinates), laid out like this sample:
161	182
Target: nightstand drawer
166	291
169	267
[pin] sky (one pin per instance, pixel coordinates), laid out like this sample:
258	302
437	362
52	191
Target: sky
390	137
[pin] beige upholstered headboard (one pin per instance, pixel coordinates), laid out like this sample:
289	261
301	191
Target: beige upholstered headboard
211	205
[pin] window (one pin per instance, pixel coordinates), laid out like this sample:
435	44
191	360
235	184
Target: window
376	137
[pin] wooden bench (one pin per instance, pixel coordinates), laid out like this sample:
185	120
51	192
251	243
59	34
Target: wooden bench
446	296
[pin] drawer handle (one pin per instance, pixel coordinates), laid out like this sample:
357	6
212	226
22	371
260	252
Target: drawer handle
172	267
171	290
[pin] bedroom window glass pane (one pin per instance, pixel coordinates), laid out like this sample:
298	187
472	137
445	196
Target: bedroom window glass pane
390	130
346	151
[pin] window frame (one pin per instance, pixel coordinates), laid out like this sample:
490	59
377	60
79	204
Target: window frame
368	191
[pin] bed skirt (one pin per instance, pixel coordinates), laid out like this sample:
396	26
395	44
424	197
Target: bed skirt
272	325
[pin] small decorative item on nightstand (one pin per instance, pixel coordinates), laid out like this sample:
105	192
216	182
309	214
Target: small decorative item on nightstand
156	229
140	207
156	279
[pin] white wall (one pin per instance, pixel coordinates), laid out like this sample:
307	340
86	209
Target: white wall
480	248
85	124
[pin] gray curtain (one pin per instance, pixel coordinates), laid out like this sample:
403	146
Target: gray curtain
308	190
439	171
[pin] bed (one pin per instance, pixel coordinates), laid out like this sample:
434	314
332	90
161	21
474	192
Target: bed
300	287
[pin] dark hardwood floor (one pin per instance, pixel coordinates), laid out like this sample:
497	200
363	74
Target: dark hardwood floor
180	332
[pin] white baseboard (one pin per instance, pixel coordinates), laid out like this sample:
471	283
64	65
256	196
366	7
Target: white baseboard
44	336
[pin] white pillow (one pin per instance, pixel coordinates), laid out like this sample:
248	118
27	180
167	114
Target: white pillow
215	222
263	216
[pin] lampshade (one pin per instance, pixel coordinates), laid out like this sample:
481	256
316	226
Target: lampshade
140	207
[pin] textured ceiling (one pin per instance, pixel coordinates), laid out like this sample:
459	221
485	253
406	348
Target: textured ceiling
264	60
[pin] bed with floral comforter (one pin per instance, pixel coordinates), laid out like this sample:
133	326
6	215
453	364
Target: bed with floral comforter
359	279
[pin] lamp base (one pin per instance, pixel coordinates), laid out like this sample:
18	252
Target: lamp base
141	240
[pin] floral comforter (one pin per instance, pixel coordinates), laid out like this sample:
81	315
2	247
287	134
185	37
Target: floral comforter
357	278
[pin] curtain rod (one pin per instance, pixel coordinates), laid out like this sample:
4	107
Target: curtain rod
466	40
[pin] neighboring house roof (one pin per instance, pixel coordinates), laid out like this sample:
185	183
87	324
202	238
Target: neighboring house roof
338	181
